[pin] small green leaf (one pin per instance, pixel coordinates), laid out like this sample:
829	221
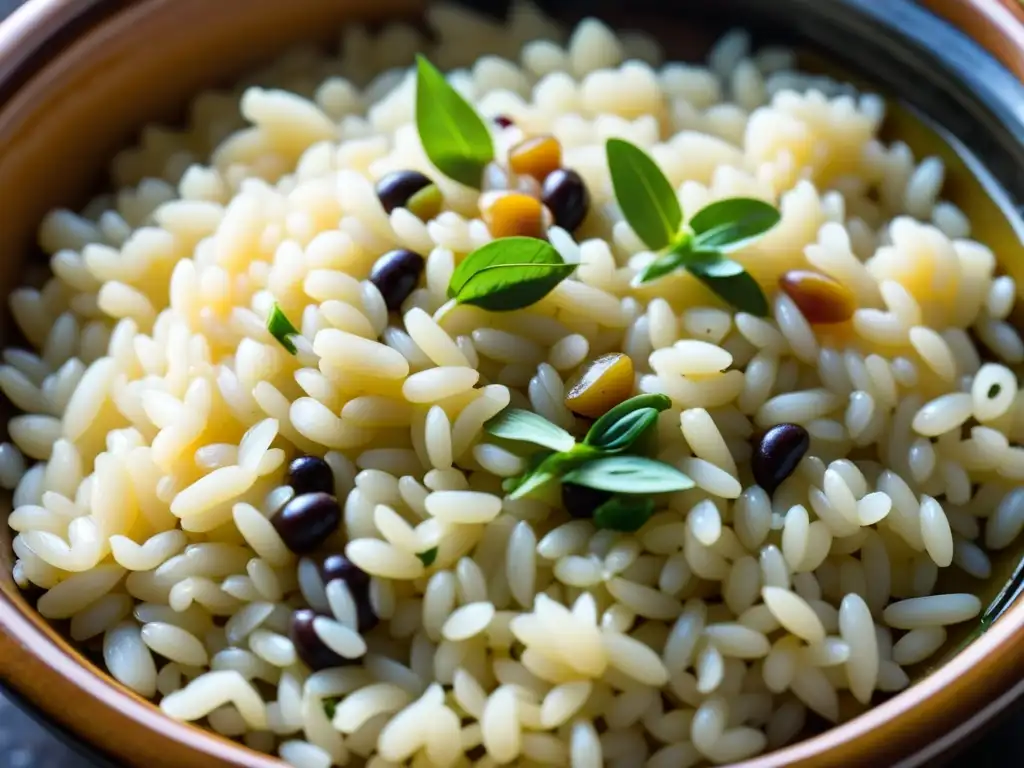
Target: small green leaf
732	284
661	266
646	197
281	328
624	513
331	705
729	225
629	474
454	137
428	557
624	432
507	274
529	427
614	415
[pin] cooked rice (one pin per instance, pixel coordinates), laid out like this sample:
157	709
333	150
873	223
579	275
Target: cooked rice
161	412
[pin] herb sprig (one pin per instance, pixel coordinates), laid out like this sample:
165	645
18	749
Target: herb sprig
454	137
600	461
651	207
281	328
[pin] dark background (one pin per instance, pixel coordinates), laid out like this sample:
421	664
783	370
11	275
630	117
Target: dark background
26	744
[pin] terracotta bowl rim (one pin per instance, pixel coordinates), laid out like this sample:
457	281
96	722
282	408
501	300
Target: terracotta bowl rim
24	38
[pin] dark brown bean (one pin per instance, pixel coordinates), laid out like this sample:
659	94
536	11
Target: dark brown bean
308	645
777	454
580	501
340	567
503	121
306	521
310	474
566	196
396	275
396	188
821	299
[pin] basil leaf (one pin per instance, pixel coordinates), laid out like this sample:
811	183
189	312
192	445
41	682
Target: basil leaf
624	513
729	225
517	424
624	432
511	273
629	474
281	328
454	137
661	266
428	557
646	197
613	415
732	284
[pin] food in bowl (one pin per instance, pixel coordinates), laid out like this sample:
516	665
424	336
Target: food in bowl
579	412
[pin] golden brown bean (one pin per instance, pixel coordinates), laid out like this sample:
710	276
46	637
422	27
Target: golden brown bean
821	299
536	157
514	214
601	385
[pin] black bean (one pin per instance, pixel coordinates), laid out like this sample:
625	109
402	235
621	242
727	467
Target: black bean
567	197
310	474
308	645
358	582
396	274
395	189
503	121
777	455
306	521
580	501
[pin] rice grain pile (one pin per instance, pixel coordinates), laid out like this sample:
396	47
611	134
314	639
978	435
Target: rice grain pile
160	413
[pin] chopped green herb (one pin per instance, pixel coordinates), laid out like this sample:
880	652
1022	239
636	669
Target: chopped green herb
453	135
624	513
331	706
428	557
507	274
281	328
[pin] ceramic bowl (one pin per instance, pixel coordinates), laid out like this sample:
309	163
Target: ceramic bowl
78	78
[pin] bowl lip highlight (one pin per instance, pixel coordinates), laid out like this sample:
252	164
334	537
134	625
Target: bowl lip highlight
32	38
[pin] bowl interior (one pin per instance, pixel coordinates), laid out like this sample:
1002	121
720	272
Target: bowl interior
60	127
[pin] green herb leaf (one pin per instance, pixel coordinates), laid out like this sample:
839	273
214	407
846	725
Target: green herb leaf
624	432
624	513
661	266
281	328
454	137
331	705
731	283
529	427
729	225
428	557
510	273
616	414
629	474
645	196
